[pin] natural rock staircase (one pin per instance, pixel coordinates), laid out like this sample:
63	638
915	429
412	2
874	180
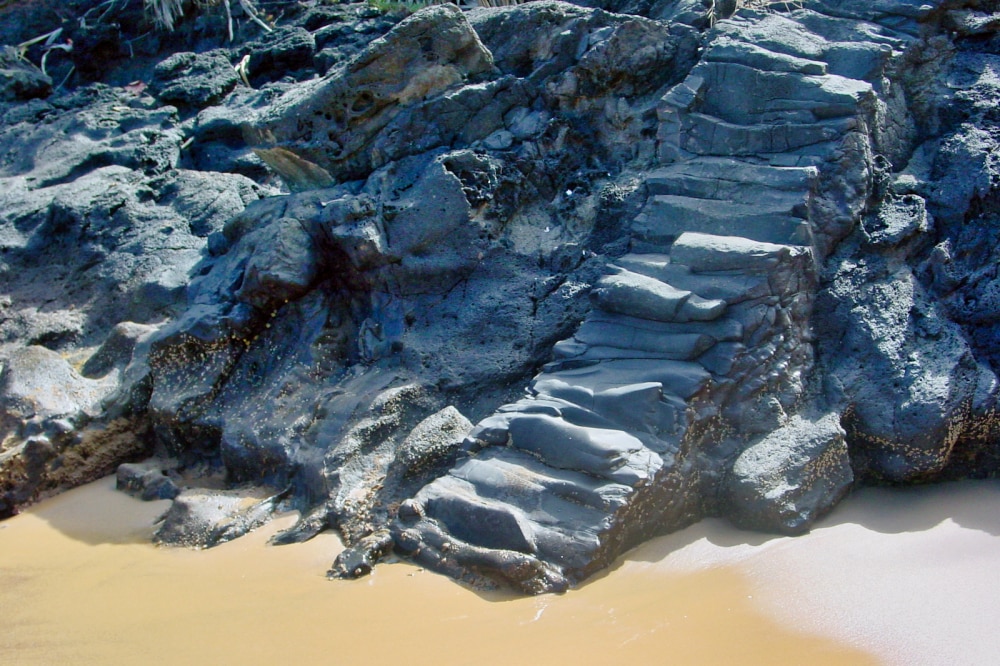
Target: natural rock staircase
698	338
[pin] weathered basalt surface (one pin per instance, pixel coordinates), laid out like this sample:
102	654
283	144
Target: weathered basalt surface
507	291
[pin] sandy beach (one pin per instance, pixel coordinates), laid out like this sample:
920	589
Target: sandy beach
895	576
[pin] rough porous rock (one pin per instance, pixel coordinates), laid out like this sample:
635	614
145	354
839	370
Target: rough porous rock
148	480
201	518
503	290
330	124
194	80
19	79
791	477
37	386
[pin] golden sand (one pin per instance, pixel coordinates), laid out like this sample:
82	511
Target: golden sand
80	583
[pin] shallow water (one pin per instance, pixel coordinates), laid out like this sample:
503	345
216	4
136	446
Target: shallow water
901	578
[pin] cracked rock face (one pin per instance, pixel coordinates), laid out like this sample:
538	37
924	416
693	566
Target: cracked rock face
543	281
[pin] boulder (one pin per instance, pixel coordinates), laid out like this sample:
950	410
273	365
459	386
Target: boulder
149	480
907	373
19	79
194	80
37	385
790	478
330	123
200	518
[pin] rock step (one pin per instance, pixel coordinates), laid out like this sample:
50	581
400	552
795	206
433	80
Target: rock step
778	218
674	346
707	253
644	297
732	289
638	395
778	43
522	480
600	324
730	179
566	436
775	96
501	504
601	383
729	50
704	134
576	354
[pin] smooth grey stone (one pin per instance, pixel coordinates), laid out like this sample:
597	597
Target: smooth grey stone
723	328
707	253
666	217
682	346
704	134
610	454
681	378
729	288
720	358
772	95
727	178
477	520
726	49
647	298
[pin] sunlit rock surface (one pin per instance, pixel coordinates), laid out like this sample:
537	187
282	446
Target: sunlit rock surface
507	290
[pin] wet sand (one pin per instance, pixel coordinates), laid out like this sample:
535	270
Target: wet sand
901	577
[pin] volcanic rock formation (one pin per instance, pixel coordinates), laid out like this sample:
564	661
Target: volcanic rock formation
507	290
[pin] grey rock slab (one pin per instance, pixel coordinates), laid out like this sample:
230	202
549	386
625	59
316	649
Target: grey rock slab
779	33
709	253
605	453
729	288
687	348
681	378
727	49
680	346
773	219
545	494
727	178
723	328
719	360
704	134
647	298
481	521
770	96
